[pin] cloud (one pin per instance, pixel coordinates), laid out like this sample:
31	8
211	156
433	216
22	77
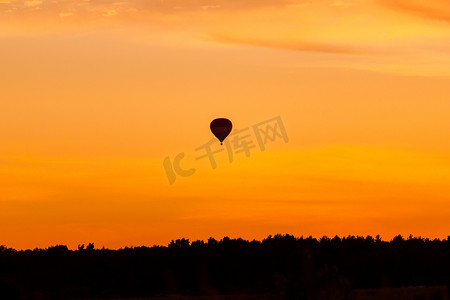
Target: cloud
435	9
291	45
65	14
364	31
110	12
171	5
148	6
341	3
33	3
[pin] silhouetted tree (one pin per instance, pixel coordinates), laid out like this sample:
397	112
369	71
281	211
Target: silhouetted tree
282	266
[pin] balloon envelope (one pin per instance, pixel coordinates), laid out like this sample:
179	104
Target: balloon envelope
221	128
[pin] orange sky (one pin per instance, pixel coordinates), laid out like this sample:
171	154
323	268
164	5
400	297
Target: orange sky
94	95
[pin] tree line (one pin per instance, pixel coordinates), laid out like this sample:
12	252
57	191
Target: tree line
282	266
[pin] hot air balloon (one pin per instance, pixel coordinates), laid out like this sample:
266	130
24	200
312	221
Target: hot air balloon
221	128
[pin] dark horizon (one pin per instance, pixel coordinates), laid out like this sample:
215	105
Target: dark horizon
278	267
310	237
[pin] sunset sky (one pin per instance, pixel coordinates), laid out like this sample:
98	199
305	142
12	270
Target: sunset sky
96	94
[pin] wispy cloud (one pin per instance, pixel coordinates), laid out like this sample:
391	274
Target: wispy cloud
166	6
33	3
341	3
347	30
436	9
289	45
